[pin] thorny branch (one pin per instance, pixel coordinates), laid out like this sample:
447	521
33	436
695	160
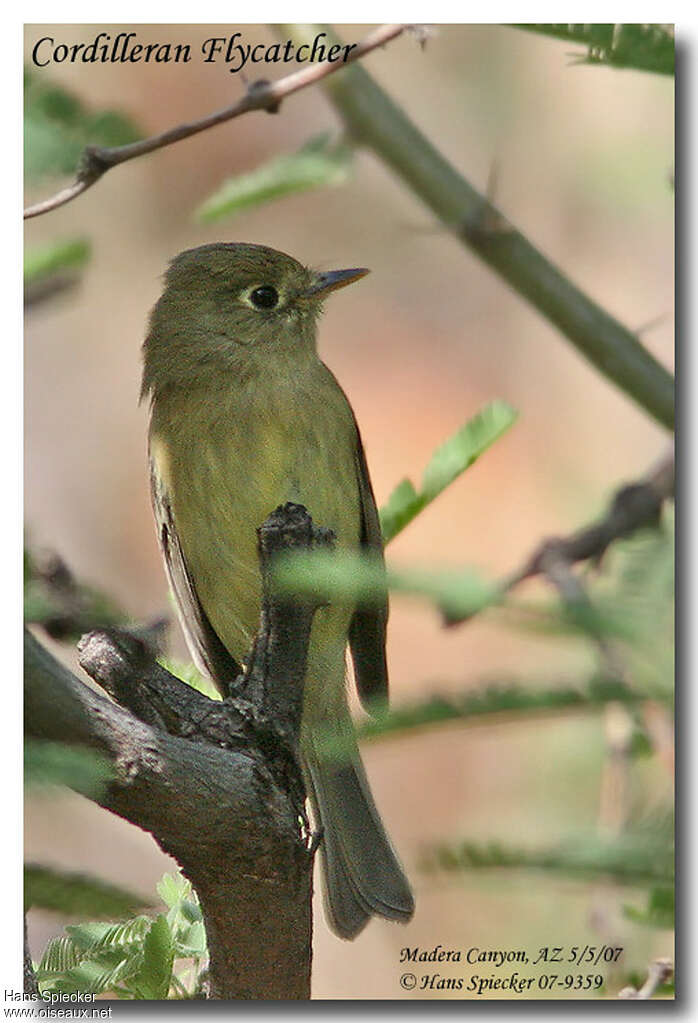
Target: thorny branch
260	95
375	121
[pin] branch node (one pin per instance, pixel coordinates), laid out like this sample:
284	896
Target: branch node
92	164
258	88
486	225
636	506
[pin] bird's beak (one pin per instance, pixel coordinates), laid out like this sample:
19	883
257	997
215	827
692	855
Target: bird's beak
324	283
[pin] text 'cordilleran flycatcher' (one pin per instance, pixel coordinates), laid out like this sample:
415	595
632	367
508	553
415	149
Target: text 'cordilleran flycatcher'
246	417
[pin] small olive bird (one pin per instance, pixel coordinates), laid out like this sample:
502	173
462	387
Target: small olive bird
246	417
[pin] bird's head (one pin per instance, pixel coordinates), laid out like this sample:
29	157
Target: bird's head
226	304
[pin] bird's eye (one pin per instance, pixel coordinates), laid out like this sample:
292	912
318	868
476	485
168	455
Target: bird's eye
264	297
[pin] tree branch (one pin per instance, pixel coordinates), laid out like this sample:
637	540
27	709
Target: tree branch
260	95
216	782
374	120
634	506
63	606
659	971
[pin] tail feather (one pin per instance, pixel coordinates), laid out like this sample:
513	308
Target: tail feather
363	877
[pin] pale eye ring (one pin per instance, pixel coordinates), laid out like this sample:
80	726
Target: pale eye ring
264	297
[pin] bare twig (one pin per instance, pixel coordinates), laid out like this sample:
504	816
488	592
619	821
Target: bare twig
658	973
261	95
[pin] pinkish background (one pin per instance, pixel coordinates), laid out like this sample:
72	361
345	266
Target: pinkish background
585	157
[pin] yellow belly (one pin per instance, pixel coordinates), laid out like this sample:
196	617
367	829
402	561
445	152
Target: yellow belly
295	443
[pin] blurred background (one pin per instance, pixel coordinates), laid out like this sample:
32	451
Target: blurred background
585	159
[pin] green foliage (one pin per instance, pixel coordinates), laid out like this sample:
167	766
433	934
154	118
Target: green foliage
140	958
57	127
484	704
320	163
47	764
65	607
341	577
76	894
446	464
642	47
154	977
659	909
640	589
629	859
630	604
45	261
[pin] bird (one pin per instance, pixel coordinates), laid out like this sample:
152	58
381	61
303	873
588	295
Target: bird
244	417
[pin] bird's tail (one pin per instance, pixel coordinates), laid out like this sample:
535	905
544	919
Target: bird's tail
362	875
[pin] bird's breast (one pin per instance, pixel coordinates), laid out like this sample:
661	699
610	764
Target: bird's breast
227	463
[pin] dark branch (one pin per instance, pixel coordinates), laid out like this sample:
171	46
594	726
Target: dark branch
215	782
285	626
65	607
634	506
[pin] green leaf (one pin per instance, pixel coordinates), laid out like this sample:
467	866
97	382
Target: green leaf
457	594
447	463
127	936
76	894
95	975
174	889
60	955
155	975
41	262
78	961
319	163
57	127
631	603
88	934
488	702
629	859
642	47
659	912
51	763
191	941
340	577
403	505
132	958
460	451
65	607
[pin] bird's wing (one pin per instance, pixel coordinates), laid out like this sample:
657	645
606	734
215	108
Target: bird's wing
209	653
368	626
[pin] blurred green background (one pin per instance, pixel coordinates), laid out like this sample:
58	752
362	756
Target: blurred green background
584	158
